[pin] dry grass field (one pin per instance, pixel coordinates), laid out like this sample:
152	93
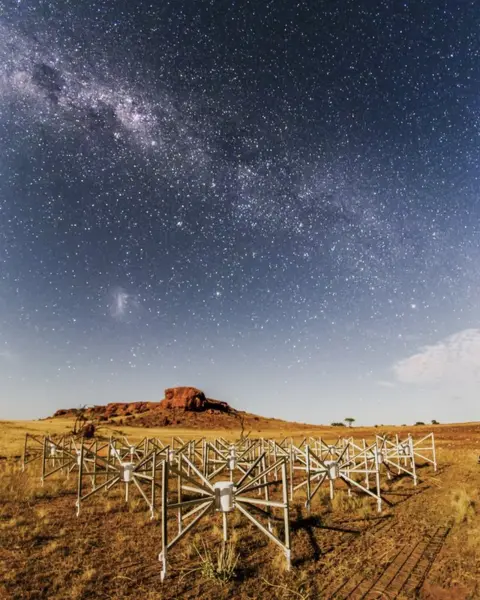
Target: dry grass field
424	544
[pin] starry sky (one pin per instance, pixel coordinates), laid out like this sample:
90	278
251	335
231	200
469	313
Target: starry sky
277	202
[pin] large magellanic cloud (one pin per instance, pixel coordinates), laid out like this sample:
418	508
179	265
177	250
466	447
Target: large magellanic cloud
453	360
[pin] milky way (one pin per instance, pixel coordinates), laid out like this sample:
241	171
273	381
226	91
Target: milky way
219	192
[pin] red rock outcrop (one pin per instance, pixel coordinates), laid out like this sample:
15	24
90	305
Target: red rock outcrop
113	409
191	399
181	405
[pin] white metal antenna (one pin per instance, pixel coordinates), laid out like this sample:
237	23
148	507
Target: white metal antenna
223	497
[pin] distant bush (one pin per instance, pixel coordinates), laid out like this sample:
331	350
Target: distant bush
339	424
419	423
435	422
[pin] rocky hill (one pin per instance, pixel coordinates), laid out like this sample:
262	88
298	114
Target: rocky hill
182	407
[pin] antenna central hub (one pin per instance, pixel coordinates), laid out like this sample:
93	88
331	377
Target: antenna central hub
224	496
127	471
404	450
333	469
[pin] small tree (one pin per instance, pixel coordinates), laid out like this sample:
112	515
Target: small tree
80	419
435	422
419	423
350	420
83	425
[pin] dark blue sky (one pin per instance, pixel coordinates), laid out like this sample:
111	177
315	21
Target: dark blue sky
276	202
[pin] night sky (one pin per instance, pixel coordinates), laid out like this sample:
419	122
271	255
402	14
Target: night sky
277	202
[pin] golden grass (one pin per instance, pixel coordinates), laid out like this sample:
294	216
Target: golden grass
219	564
110	550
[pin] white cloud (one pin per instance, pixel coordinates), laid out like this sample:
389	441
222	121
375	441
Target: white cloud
453	360
385	383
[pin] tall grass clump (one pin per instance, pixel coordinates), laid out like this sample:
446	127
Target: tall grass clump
463	506
342	502
219	565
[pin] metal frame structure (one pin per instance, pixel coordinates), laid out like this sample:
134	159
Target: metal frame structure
424	448
327	451
256	477
112	470
222	497
61	455
56	456
352	460
398	455
39	447
32	449
128	451
64	456
236	457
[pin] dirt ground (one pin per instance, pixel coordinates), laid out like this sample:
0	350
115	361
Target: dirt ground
424	544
